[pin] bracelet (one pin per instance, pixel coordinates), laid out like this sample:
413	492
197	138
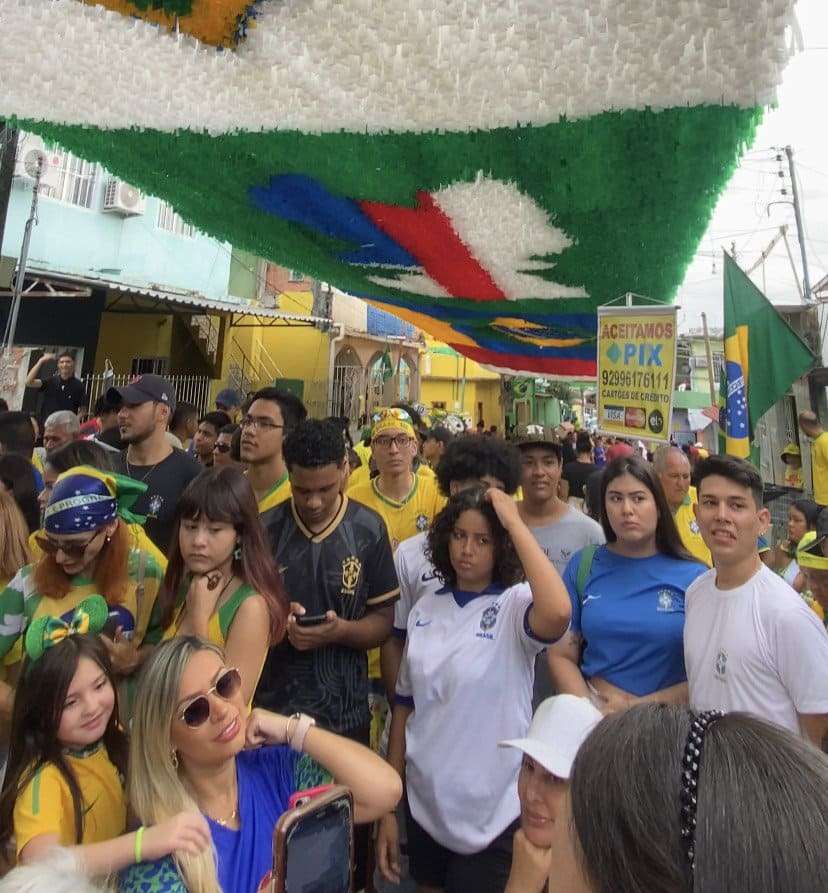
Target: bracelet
303	725
293	718
139	836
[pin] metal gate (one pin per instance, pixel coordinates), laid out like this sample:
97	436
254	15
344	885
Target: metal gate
347	392
193	389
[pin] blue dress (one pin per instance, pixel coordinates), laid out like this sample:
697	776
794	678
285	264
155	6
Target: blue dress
266	779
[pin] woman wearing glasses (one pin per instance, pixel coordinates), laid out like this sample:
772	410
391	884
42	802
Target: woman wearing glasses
221	583
194	746
87	549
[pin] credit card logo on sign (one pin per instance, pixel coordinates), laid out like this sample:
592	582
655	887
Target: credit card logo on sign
635	418
614	414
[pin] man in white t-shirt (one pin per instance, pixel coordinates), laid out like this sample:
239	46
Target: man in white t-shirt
750	642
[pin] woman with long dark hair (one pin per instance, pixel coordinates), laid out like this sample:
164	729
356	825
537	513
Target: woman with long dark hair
663	800
625	640
221	582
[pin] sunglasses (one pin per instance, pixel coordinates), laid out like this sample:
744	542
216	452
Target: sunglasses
197	711
222	447
70	550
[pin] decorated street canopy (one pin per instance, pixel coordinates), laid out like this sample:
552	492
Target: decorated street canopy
489	170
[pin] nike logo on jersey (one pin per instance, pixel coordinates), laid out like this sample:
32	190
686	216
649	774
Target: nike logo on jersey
423	623
590	598
427	577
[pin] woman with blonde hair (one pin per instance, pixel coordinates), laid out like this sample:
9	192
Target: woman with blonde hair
195	746
87	550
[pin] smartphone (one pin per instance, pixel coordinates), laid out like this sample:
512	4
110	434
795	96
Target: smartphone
311	619
313	844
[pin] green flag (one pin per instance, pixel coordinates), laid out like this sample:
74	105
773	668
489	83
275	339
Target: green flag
386	366
763	357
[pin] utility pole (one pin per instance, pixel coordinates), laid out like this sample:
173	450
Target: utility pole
711	380
799	231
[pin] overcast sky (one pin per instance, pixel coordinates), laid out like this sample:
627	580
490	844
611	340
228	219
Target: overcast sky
741	217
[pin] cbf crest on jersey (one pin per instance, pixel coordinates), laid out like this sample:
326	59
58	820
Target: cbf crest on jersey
351	568
490	172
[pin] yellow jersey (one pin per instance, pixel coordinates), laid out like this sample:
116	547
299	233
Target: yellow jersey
276	495
819	468
45	805
362	475
406	517
688	529
793	477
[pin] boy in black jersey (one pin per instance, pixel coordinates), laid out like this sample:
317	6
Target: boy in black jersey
336	560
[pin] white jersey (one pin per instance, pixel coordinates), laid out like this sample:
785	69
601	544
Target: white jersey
467	670
757	648
417	578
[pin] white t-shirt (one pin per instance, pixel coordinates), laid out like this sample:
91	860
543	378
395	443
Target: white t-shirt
757	648
467	671
417	578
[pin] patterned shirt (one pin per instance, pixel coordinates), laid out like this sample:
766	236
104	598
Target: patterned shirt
349	569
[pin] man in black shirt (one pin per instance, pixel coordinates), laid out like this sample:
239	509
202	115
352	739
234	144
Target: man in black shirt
576	474
58	392
336	560
146	405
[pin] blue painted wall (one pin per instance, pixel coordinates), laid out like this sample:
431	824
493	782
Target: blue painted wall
86	241
382	323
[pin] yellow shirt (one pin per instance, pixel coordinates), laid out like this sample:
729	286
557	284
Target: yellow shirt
409	516
140	540
277	494
793	477
819	468
45	804
362	475
688	529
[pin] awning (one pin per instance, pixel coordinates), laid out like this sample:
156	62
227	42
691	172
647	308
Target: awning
127	298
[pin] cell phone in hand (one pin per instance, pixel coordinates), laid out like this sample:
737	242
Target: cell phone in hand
313	844
311	619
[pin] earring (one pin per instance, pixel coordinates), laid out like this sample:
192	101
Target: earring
237	552
174	759
109	539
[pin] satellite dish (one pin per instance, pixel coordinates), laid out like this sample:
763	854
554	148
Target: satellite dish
34	162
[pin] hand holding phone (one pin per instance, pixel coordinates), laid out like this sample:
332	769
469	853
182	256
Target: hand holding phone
311	619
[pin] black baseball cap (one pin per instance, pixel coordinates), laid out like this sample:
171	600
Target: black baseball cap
143	389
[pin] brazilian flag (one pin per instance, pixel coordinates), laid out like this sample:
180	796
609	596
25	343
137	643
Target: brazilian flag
763	357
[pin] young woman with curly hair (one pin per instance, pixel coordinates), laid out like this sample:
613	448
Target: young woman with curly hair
464	685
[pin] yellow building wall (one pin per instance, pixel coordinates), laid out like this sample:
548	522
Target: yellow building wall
299	352
124	336
441	378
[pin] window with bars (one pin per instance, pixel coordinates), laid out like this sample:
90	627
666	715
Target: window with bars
171	222
75	182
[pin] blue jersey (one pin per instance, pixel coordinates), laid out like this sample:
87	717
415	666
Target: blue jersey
631	617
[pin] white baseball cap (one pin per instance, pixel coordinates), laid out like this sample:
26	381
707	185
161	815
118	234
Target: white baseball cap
559	727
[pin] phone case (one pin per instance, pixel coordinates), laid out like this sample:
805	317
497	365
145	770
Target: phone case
315	802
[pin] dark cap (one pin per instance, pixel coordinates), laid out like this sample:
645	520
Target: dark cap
143	389
537	435
229	398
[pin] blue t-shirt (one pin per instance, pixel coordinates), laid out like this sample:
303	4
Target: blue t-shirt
266	777
631	617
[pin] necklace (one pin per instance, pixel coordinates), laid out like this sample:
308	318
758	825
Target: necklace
147	474
225	822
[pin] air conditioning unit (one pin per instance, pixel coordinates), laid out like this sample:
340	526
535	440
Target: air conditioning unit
31	151
121	198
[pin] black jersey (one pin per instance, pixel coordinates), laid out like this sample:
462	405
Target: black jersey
349	569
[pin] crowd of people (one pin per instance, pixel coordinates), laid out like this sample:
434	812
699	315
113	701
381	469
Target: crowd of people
547	664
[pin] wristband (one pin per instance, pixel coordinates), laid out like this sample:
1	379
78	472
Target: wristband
303	724
139	836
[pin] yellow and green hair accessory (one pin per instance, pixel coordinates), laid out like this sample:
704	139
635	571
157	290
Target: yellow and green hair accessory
89	617
85	498
809	552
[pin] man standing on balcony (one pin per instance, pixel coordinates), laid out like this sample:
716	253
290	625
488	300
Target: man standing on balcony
58	392
146	405
271	415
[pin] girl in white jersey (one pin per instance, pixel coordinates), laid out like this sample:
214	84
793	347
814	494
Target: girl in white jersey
465	684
